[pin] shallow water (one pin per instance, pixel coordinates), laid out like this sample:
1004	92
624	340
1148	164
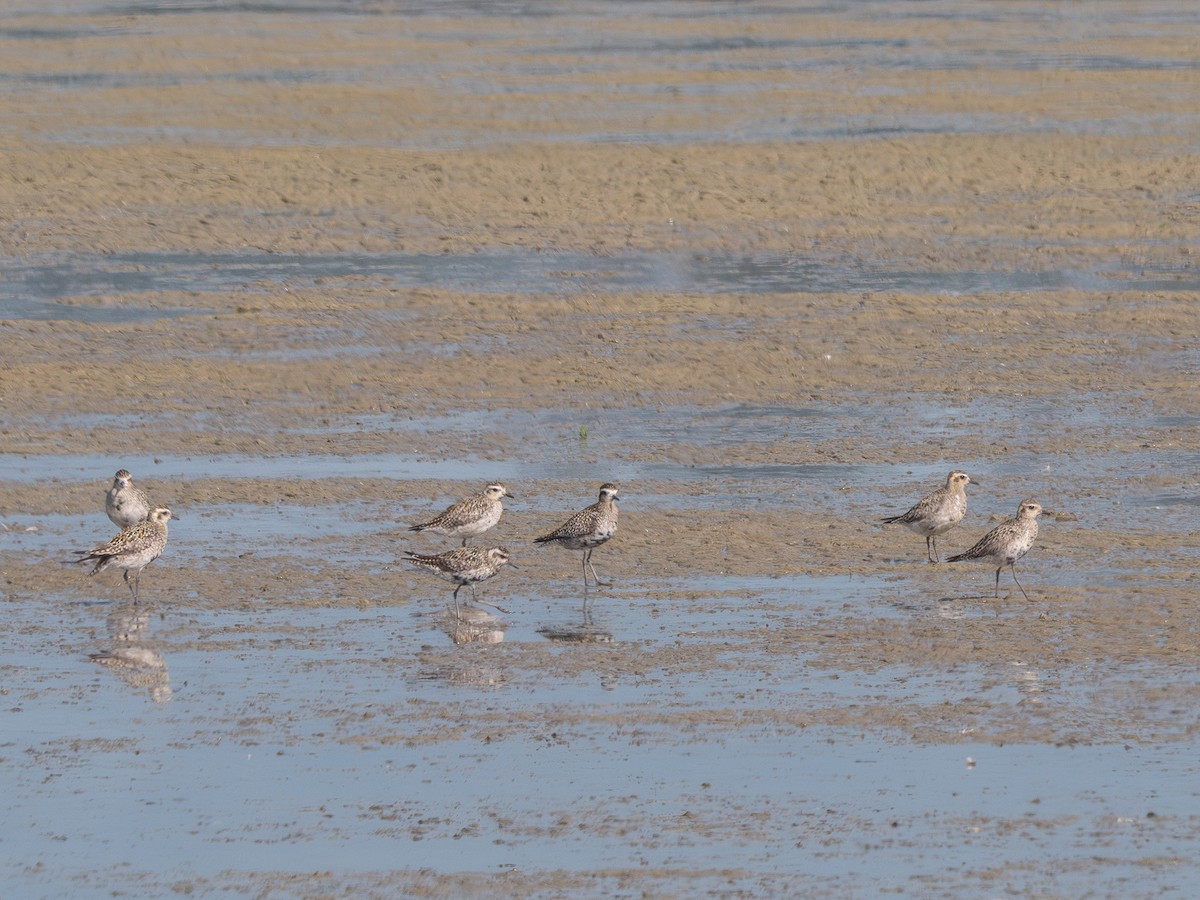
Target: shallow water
289	702
38	289
559	55
703	739
311	739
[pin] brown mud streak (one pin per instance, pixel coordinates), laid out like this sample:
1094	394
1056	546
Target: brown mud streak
938	203
353	172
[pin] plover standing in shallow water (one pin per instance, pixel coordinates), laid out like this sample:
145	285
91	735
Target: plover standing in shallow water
133	549
466	565
587	530
125	504
471	516
1007	542
938	512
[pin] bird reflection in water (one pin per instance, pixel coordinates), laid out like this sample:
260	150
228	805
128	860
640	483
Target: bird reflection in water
582	634
135	661
474	626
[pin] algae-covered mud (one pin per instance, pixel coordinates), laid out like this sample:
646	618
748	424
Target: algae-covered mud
313	272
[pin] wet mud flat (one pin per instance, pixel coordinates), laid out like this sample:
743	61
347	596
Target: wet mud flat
774	274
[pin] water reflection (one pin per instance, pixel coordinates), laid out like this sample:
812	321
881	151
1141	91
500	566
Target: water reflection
586	632
131	657
1029	683
473	626
579	634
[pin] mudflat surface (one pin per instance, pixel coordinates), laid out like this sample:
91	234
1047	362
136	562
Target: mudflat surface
313	274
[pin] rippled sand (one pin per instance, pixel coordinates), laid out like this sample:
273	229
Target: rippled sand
313	276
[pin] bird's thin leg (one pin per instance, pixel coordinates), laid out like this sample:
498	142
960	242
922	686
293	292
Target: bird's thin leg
457	614
998	583
931	549
585	588
1013	567
593	568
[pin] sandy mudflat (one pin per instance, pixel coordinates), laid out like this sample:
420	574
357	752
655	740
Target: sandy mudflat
236	244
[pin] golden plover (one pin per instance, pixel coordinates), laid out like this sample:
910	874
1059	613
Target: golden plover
1007	542
133	549
471	516
466	565
588	529
125	504
937	513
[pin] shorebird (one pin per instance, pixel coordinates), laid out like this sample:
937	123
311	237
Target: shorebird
471	516
1007	542
587	530
125	504
133	549
938	512
466	565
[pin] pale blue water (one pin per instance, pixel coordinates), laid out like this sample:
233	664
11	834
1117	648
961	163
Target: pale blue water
37	288
1052	38
303	738
293	750
300	737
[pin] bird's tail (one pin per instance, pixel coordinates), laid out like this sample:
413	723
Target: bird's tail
101	560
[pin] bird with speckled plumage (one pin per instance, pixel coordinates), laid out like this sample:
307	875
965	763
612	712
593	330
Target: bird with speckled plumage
125	504
587	529
1007	542
464	566
133	549
937	512
471	516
